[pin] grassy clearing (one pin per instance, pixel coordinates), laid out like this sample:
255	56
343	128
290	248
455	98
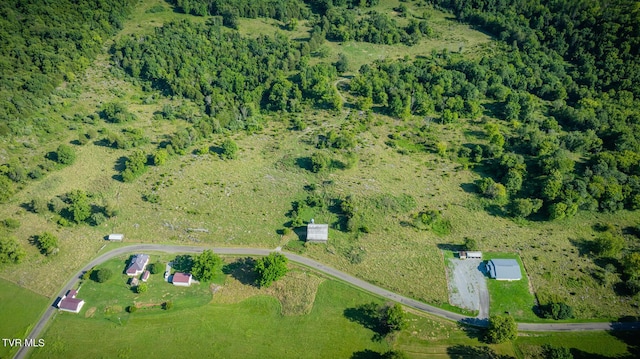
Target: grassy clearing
221	330
512	297
19	310
582	344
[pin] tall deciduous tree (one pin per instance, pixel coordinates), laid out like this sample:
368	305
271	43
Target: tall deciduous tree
501	329
206	265
79	206
271	268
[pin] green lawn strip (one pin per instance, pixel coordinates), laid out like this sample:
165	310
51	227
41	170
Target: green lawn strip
251	328
511	296
20	308
589	344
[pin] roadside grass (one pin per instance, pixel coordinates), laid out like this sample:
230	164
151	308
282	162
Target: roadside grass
222	331
511	297
19	310
596	344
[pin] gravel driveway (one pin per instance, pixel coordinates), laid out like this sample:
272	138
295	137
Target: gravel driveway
468	286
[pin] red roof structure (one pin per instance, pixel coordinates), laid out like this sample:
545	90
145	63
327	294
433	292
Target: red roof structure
181	279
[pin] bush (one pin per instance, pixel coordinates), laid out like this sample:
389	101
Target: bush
155	268
65	155
167	305
142	288
98	218
551	352
556	310
229	149
11	223
47	243
132	309
11	251
38	205
320	161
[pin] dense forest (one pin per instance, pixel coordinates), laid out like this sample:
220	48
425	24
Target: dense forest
44	43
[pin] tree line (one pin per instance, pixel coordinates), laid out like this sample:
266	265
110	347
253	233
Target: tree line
46	43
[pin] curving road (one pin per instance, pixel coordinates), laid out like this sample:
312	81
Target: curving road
51	310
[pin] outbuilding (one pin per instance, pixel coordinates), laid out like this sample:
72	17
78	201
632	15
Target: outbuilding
69	302
470	255
504	269
181	279
317	232
115	237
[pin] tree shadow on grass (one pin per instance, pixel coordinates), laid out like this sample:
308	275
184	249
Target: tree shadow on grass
468	351
366	354
368	315
242	270
304	163
585	247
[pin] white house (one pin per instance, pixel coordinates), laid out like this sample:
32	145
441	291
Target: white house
137	265
470	255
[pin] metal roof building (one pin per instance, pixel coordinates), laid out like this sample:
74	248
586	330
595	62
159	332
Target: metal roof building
504	269
317	232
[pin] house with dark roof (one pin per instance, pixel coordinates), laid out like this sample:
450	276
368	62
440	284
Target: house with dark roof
69	302
504	269
137	264
317	232
181	279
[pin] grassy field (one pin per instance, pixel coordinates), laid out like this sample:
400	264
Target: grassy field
221	324
19	310
220	330
244	202
512	297
581	344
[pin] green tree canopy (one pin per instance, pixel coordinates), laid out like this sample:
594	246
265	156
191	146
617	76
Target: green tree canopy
229	149
206	266
11	251
101	275
47	243
65	155
501	329
79	206
271	268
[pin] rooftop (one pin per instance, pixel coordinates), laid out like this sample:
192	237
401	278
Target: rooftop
181	278
504	269
317	232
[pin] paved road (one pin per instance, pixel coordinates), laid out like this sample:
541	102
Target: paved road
51	310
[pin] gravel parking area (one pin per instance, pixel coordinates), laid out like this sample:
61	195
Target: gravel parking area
468	286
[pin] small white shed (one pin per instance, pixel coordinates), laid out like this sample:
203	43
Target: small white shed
115	237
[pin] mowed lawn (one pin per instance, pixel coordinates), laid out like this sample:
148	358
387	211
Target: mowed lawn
511	297
249	329
20	308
